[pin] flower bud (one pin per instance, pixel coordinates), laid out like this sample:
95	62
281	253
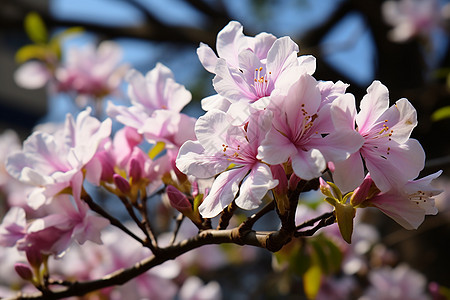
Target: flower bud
135	170
178	200
34	257
325	188
365	191
121	183
24	271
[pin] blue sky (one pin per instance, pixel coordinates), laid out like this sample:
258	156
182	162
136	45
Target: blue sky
285	19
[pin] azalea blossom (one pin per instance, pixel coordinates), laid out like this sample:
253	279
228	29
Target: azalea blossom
407	205
248	68
194	289
234	148
13	227
300	131
52	163
411	18
33	75
389	153
65	222
91	71
155	111
396	283
230	42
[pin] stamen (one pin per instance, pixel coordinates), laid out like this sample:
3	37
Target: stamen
261	83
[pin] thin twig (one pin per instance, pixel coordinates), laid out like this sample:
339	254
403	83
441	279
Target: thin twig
315	220
248	224
323	223
148	242
150	231
178	222
98	209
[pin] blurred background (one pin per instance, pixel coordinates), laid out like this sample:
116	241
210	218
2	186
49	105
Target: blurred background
354	41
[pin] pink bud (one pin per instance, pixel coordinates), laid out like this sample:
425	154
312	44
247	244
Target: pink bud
135	170
363	192
121	183
24	271
325	188
107	163
34	257
178	200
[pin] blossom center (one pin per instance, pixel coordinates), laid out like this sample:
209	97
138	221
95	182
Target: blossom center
261	83
376	139
418	197
306	122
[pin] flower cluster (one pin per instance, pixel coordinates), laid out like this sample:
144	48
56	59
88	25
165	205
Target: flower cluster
271	132
270	113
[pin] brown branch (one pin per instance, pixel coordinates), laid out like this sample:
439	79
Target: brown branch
259	239
315	220
326	221
146	223
271	240
149	242
248	224
226	215
98	209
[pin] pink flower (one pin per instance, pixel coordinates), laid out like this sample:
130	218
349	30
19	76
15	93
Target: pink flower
90	71
394	284
230	43
55	162
194	289
32	75
221	146
248	68
13	227
155	111
67	221
156	91
391	157
411	18
407	205
301	133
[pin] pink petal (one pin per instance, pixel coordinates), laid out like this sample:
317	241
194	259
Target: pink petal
32	75
308	164
372	106
223	191
207	57
255	186
276	148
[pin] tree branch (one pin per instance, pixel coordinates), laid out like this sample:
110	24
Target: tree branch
98	209
270	240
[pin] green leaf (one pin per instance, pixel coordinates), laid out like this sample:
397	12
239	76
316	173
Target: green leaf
327	254
56	40
300	260
312	281
35	28
28	52
441	113
321	256
345	213
334	254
